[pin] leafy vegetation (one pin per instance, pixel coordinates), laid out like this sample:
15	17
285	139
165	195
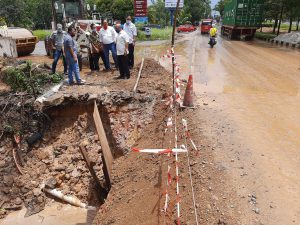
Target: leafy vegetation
36	14
31	14
26	78
220	6
158	14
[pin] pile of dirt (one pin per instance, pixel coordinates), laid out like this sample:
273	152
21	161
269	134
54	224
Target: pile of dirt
292	38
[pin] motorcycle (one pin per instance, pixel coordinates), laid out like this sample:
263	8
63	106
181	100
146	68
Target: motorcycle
212	41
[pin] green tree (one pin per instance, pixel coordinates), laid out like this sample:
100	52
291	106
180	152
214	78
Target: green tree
198	9
104	6
39	13
158	14
220	6
13	11
184	16
279	10
121	9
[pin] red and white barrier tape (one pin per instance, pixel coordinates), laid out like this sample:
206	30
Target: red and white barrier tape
160	151
184	123
169	125
169	179
187	134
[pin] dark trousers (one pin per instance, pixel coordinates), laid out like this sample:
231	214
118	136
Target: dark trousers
131	55
56	55
123	66
94	62
79	61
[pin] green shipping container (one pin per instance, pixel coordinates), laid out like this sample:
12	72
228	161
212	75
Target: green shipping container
243	13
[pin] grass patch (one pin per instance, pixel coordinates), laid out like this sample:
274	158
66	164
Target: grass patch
284	26
41	34
262	35
156	34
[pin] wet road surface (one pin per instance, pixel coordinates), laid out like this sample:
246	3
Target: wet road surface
249	92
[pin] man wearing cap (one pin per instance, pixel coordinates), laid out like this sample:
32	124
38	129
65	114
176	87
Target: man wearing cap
108	39
131	31
56	41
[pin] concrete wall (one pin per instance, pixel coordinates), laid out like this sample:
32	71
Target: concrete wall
8	47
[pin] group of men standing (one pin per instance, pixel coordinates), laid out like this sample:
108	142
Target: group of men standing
64	44
119	40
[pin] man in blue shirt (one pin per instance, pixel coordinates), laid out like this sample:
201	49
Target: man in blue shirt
70	47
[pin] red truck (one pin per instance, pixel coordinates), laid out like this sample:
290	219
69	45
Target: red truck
205	26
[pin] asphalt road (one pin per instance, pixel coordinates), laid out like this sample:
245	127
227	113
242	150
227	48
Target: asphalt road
249	92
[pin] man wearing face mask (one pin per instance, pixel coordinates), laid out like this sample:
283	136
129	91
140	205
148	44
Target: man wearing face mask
131	31
70	47
56	41
108	39
122	52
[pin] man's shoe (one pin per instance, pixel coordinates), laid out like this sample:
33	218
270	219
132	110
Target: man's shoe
120	77
127	77
81	82
107	70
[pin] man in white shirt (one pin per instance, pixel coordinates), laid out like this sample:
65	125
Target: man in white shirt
131	31
122	52
107	37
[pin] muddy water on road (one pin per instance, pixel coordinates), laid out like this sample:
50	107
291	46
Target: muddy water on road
252	92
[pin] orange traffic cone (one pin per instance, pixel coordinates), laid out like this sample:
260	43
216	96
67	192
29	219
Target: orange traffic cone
188	96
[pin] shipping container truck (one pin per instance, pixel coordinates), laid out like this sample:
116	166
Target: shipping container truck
242	18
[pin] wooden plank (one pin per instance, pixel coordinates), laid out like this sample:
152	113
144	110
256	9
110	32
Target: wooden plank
107	155
103	191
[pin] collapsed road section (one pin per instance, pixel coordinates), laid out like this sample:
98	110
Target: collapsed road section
42	141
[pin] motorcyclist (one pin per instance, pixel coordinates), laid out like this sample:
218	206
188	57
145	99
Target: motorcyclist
212	33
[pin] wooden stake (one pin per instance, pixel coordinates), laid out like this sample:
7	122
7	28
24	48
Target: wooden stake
139	75
107	155
103	191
